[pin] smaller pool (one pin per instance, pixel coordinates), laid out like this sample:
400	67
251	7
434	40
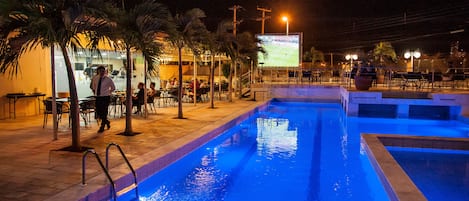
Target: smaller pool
439	174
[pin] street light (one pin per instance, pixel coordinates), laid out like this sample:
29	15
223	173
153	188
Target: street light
351	57
285	19
411	55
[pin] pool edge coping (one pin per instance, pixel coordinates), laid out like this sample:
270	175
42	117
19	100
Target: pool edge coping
396	182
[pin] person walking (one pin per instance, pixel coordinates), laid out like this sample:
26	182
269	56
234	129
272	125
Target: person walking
103	87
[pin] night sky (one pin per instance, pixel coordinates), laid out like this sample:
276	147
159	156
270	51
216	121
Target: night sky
340	26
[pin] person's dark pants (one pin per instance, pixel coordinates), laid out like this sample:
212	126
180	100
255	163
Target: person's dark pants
102	105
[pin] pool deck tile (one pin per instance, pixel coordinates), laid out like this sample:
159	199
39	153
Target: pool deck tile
31	168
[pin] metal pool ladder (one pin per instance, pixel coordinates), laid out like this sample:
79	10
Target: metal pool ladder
106	170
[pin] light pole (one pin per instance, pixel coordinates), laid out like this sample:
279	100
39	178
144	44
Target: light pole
351	57
411	55
285	19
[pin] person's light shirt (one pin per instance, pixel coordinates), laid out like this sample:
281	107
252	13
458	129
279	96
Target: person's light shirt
107	85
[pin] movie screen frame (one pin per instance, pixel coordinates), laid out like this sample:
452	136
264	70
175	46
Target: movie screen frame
282	51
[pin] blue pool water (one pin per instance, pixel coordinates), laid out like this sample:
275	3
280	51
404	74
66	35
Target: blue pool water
439	174
290	151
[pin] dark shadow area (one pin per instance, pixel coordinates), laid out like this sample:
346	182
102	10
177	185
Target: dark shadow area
73	149
130	134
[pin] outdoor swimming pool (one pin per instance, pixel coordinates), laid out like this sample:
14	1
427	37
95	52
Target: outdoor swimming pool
290	151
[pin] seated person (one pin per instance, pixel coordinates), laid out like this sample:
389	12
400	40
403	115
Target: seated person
195	85
152	90
203	84
138	99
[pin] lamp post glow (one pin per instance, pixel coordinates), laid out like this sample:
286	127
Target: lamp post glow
285	19
411	55
351	57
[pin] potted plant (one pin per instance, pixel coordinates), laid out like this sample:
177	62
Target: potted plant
363	80
385	55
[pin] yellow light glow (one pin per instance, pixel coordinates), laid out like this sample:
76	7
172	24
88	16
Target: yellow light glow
285	18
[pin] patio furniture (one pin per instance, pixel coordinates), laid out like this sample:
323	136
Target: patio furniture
87	107
412	79
16	96
48	110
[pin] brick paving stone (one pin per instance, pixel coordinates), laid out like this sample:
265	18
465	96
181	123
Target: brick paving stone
32	168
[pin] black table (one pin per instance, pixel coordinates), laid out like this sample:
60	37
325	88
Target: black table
16	96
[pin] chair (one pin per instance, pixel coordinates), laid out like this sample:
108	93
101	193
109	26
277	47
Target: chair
173	96
204	97
157	98
292	75
316	76
116	102
138	102
306	74
48	110
87	108
151	102
412	79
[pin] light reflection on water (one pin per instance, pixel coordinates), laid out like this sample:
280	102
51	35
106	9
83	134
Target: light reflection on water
274	138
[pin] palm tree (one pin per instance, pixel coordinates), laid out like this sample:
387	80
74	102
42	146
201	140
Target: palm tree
384	53
238	48
25	25
214	44
189	29
135	24
228	45
248	50
317	56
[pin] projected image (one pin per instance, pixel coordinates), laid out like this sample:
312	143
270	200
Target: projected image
282	50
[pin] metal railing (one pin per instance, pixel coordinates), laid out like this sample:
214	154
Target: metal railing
83	171
105	169
126	161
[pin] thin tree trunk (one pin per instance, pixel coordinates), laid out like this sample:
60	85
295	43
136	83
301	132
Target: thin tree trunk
230	82
240	79
128	95
74	110
145	91
54	103
212	79
180	116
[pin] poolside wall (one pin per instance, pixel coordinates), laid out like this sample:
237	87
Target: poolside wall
375	103
317	92
438	106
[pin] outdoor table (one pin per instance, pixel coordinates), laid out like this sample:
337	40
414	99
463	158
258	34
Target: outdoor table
16	96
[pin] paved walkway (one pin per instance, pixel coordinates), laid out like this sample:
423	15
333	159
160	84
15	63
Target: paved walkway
32	169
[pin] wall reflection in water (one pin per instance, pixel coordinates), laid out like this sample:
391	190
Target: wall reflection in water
275	138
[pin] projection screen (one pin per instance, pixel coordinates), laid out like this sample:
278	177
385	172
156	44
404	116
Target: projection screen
283	51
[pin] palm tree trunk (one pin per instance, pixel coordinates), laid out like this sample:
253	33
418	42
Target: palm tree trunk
128	94
74	110
180	116
212	79
240	84
230	82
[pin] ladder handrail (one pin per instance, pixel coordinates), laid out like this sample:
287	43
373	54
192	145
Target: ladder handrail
114	194
126	161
